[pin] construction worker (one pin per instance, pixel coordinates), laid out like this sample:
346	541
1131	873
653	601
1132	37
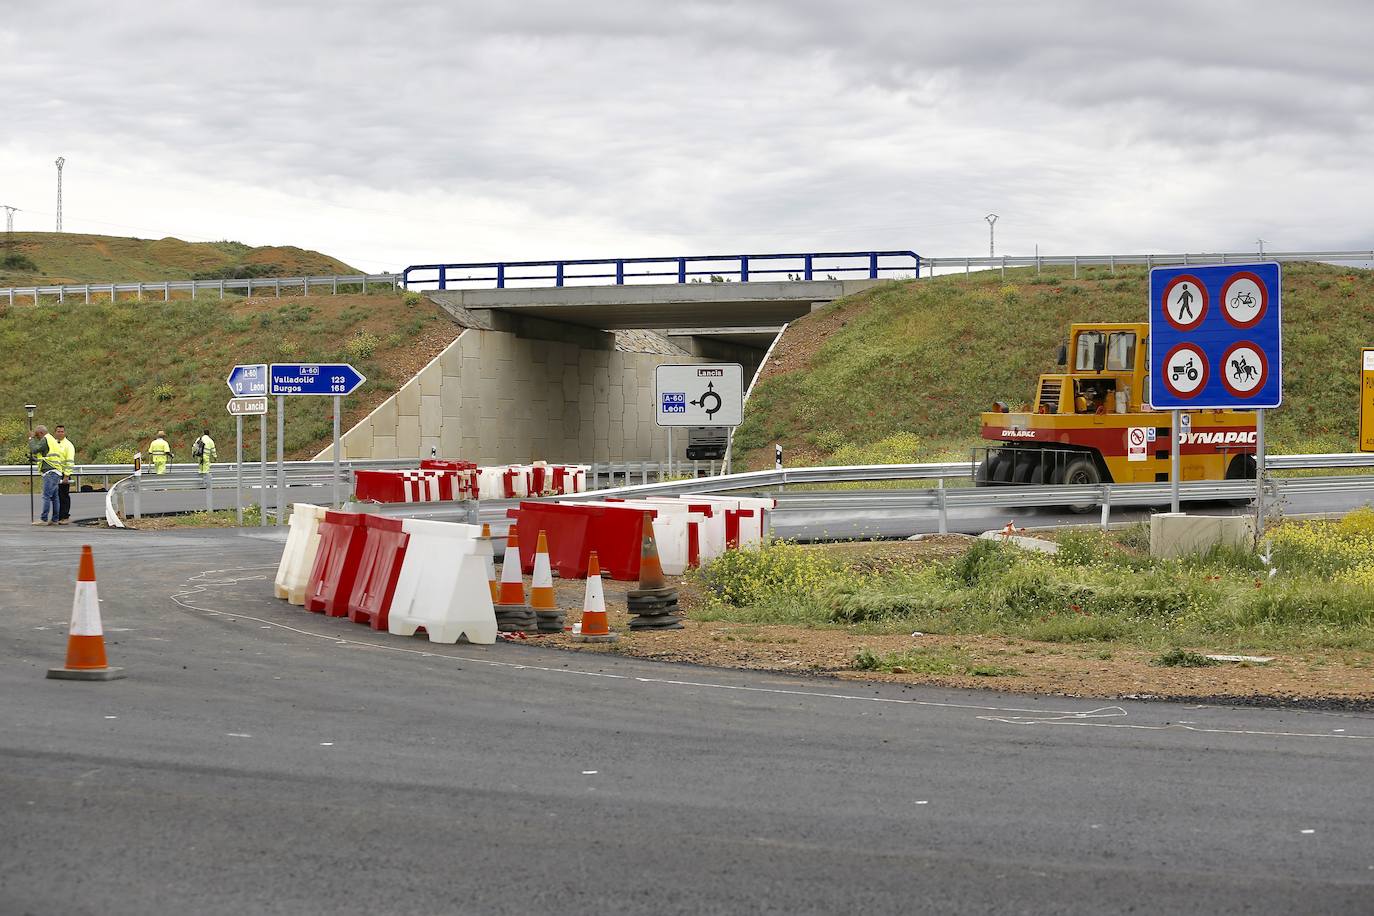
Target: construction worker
204	452
67	451
56	458
160	452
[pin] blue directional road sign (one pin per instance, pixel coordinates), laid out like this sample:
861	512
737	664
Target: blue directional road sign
248	381
1215	337
336	379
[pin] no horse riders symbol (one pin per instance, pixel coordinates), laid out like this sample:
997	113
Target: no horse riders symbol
1244	369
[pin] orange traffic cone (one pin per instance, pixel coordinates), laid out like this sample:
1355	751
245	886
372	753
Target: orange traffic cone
512	590
541	585
650	569
85	637
542	598
595	627
491	567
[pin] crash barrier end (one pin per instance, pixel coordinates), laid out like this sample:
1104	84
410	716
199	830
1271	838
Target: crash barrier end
86	659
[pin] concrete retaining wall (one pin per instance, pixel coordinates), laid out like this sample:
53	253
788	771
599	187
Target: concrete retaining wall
494	397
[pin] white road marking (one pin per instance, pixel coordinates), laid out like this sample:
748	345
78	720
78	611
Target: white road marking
236	735
1037	717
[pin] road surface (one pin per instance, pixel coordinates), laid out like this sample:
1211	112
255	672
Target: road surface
262	759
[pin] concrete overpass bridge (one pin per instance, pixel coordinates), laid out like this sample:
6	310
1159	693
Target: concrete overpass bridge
556	358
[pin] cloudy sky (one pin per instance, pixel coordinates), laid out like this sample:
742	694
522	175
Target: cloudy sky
389	132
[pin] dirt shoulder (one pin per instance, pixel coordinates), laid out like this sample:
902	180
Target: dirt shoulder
1107	670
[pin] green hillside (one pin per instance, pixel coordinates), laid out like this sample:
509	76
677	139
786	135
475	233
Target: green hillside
63	257
114	373
900	372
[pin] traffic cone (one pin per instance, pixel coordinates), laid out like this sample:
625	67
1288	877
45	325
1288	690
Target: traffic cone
491	567
542	598
85	637
652	604
512	613
650	569
595	627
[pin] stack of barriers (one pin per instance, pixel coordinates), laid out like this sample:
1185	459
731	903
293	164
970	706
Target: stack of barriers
398	575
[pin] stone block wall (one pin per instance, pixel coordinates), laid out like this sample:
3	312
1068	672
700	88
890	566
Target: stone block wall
494	397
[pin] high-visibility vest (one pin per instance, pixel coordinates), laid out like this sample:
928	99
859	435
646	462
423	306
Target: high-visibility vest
52	461
66	457
208	452
159	448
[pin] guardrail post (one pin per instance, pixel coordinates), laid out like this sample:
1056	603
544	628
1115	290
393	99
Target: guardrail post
61	299
221	289
558	274
140	291
250	287
166	292
744	270
305	286
1075	267
194	283
138	499
1111	259
88	294
807	268
619	273
500	276
682	270
643	471
277	285
872	265
334	289
443	277
1106	506
918	267
944	513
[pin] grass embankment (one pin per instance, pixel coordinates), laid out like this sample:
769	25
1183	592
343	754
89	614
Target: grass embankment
1308	590
115	373
27	258
901	372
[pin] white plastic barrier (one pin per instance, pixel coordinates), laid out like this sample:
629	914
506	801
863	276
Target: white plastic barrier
673	528
298	556
491	483
710	530
753	528
443	584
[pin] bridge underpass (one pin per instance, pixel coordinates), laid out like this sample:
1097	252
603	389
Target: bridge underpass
566	373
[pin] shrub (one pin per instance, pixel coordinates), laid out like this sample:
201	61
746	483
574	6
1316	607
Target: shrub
288	349
1181	658
899	448
361	346
16	261
777	570
412	298
164	392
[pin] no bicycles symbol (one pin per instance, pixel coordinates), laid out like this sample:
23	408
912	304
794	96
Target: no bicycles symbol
1136	438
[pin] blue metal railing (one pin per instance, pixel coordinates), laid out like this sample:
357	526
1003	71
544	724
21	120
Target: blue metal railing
744	267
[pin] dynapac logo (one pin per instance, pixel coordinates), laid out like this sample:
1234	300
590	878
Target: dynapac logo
1218	438
1018	434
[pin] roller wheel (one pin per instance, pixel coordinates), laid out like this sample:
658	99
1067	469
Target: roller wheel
1081	472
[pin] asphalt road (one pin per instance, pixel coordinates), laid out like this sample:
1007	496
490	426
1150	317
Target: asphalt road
259	759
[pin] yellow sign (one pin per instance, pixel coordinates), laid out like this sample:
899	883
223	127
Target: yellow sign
1367	399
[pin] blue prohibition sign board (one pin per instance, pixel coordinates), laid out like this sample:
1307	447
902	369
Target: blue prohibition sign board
315	378
1215	337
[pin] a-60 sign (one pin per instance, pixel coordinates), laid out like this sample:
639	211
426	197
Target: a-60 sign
336	379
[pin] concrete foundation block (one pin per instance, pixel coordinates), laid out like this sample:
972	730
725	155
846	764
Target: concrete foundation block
1177	534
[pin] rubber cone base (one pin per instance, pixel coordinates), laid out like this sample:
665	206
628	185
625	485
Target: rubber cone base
591	637
86	674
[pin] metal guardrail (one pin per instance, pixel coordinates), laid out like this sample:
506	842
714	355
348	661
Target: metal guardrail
124	497
167	287
691	268
935	265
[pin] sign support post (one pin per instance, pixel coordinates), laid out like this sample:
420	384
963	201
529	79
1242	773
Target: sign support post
238	477
1259	475
1173	462
281	453
670	451
262	484
337	402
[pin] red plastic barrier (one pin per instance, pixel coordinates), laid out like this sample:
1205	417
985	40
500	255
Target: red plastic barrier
733	518
379	486
336	564
384	549
614	532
